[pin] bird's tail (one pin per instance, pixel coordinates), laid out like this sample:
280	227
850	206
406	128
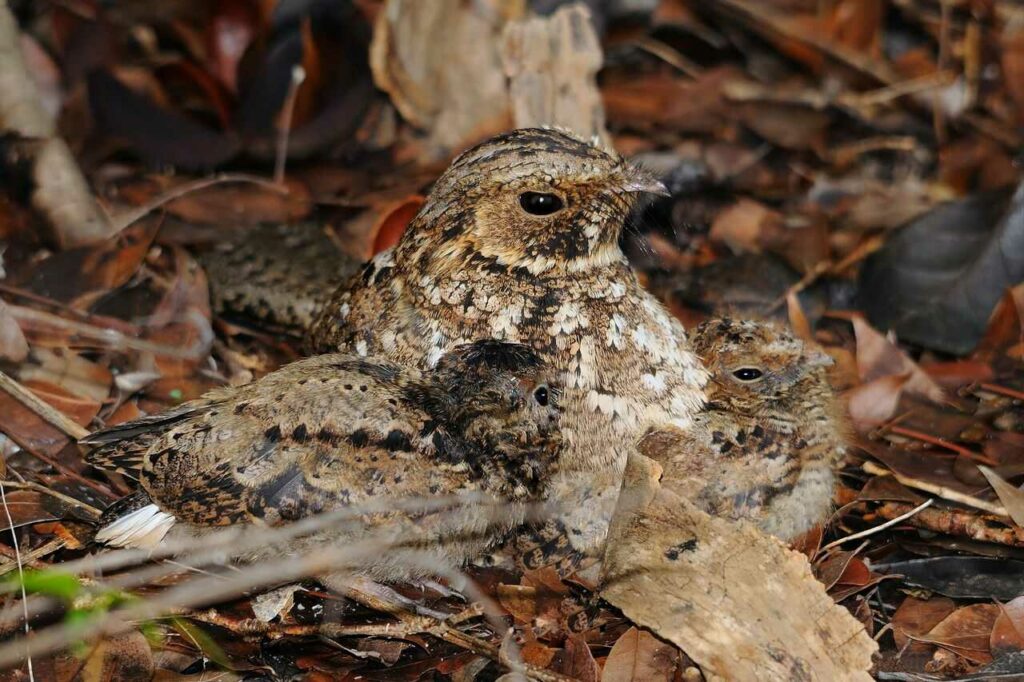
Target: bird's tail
134	521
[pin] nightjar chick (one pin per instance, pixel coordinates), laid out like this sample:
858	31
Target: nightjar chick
518	240
766	446
334	431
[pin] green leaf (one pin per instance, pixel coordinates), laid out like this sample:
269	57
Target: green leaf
63	586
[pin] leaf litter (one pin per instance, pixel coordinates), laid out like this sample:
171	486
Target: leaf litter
842	147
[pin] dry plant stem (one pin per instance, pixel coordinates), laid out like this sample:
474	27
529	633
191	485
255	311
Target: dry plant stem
1002	390
133	215
60	191
959	522
32	557
108	338
31	485
807	280
409	624
87	482
938	490
281	152
943	443
879	528
41	408
21	581
669	55
216	588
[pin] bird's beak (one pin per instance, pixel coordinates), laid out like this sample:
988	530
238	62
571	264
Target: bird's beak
638	180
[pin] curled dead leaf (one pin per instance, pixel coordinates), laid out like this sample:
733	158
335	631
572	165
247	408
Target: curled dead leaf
877	357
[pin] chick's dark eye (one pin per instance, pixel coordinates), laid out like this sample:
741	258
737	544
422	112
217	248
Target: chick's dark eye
540	203
747	374
541	396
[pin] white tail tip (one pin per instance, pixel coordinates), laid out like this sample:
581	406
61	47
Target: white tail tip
143	528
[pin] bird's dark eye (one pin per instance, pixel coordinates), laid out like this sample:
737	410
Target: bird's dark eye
748	374
541	396
540	203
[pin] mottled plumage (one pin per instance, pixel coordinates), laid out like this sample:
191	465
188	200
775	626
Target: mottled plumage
338	430
276	274
766	446
518	240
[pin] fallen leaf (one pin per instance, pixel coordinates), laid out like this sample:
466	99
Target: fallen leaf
937	281
875	402
638	656
916	617
269	605
576	661
28	506
879	357
966	632
1008	630
741	226
70	371
392	221
226	203
1011	496
740	589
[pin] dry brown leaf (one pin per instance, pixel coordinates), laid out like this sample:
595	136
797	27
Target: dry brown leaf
1011	496
878	357
966	632
754	611
915	617
28	506
639	656
70	371
742	225
1008	630
577	662
225	203
875	402
13	345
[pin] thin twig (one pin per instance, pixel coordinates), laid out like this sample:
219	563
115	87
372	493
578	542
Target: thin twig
32	485
1002	390
117	340
32	556
938	490
281	151
21	583
876	529
669	55
943	443
131	216
47	413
